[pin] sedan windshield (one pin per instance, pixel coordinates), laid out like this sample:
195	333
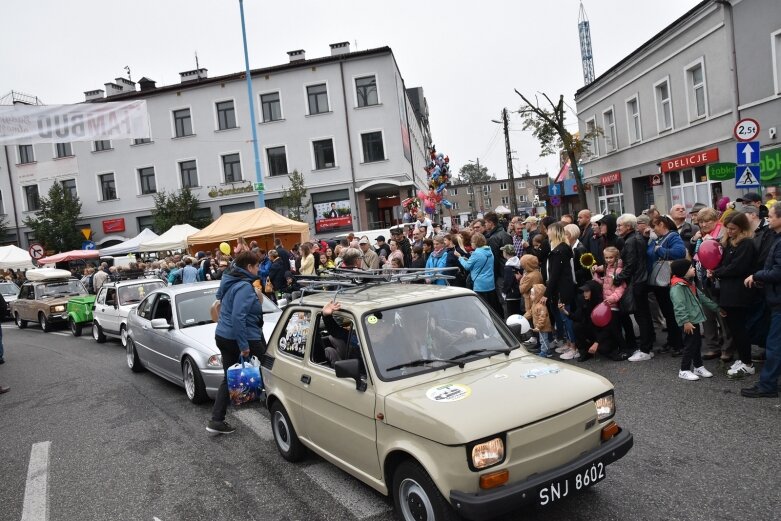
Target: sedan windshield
428	336
9	290
61	288
135	293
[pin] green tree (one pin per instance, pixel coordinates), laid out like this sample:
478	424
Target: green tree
177	208
295	197
548	126
54	225
470	174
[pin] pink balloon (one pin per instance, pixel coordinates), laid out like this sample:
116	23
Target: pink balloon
709	254
601	315
421	194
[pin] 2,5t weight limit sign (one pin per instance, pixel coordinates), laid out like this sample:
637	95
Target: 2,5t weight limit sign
746	129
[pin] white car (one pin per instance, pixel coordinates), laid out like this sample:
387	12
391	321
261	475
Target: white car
114	302
9	291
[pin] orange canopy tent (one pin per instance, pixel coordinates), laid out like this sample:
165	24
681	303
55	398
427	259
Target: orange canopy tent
261	224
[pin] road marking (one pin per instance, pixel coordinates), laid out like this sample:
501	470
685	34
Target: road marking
359	499
36	506
61	333
257	422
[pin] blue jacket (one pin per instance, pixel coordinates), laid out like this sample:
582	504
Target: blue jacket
439	262
481	266
770	275
241	317
265	266
671	247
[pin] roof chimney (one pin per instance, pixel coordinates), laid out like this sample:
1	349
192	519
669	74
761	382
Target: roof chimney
126	84
193	75
296	56
112	89
146	84
93	94
340	48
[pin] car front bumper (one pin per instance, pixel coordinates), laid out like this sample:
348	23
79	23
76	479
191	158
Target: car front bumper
492	503
212	379
56	318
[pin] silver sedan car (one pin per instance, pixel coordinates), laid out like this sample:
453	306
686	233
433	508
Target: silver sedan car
171	334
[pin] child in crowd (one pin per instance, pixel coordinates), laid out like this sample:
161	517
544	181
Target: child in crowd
541	317
612	295
688	306
531	276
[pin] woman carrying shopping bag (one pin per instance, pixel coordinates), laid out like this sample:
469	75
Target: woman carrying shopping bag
239	330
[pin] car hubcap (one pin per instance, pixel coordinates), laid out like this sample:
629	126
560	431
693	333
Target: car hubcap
95	331
123	336
130	355
281	431
42	320
414	502
16	318
189	379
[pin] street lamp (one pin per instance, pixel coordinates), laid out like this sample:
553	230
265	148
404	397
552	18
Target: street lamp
508	153
472	188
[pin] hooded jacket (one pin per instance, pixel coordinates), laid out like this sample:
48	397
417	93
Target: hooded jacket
241	316
438	259
598	244
510	287
540	314
633	256
583	307
688	302
480	266
610	293
670	248
531	277
496	239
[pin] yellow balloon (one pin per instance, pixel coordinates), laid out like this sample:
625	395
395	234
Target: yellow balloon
225	248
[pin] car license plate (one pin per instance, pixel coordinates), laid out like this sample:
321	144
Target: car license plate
584	477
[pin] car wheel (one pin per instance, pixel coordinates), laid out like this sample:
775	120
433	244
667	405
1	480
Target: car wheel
287	441
133	361
123	335
21	324
45	326
193	381
97	333
75	328
416	497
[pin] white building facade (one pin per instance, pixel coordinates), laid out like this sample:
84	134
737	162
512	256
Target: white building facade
345	121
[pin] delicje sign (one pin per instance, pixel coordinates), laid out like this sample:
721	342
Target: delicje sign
690	160
28	124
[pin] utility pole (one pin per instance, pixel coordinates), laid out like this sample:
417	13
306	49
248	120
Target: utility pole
472	189
258	173
510	175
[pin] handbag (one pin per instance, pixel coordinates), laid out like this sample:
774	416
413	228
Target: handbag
268	287
244	381
661	272
214	310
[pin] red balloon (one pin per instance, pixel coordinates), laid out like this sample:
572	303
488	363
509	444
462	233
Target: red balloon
709	254
601	315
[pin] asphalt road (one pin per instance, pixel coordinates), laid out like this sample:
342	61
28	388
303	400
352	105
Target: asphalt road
125	446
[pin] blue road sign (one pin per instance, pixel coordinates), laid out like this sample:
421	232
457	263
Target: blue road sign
747	176
748	153
554	189
87	245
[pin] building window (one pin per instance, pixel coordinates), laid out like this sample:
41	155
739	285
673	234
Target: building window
695	79
146	177
502	186
373	148
454	191
277	161
272	108
324	154
609	122
231	166
521	184
611	199
633	120
664	108
366	91
469	190
455	206
487	201
522	198
147	221
539	182
183	123
226	115
486	189
505	200
26	154
31	198
108	190
318	98
690	186
142	141
64	150
775	42
103	144
69	187
593	144
188	171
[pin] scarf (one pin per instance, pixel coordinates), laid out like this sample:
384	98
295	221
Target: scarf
438	253
675	280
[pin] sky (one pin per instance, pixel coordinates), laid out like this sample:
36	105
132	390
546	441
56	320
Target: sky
468	56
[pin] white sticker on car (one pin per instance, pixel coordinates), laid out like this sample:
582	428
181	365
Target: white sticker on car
541	371
448	393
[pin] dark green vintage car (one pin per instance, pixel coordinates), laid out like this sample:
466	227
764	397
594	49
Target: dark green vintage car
80	312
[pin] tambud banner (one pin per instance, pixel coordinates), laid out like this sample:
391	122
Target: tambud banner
27	124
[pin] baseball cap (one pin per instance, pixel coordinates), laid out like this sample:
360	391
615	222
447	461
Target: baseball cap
531	219
364	241
697	207
380	238
751	197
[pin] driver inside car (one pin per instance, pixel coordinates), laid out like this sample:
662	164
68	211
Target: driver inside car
344	340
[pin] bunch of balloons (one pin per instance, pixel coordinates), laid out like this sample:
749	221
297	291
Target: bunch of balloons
438	175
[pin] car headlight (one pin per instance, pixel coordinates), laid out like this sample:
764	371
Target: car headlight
606	406
215	361
487	453
57	309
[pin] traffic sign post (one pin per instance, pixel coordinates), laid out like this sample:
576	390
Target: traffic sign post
555	200
36	251
748	153
747	129
747	176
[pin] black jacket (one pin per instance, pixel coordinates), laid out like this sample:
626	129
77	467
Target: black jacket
770	275
277	274
560	285
634	258
737	263
406	251
582	275
452	262
687	231
763	240
496	240
284	255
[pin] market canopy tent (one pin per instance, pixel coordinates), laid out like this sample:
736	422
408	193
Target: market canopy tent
502	210
261	224
130	245
69	256
14	258
173	239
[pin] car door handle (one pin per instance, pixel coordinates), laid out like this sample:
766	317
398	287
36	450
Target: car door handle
306	378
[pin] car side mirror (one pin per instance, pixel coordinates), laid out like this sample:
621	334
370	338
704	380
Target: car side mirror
160	323
351	369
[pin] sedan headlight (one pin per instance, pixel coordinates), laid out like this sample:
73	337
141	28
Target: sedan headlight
606	406
215	361
487	453
57	309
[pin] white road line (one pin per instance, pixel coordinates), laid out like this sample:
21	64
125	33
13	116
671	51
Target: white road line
359	499
36	507
61	333
257	422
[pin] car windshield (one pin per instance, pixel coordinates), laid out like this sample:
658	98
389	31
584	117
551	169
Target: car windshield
60	288
135	293
194	307
413	339
9	290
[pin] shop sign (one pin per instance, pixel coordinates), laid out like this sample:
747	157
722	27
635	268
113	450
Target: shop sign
690	160
770	166
233	190
610	179
657	180
114	225
721	171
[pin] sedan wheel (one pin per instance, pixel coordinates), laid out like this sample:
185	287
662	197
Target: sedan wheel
133	361
193	381
97	333
285	436
45	327
415	496
21	324
123	335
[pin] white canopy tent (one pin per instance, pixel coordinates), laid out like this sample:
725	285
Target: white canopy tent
14	258
174	239
130	245
502	210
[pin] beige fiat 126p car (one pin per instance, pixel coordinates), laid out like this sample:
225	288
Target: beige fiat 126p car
422	393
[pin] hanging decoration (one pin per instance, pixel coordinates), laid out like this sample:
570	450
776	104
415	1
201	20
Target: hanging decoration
438	176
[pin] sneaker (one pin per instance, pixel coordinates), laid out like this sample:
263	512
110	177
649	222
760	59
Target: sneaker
532	341
639	356
2	361
562	349
688	375
740	370
545	354
756	392
222	427
570	354
701	371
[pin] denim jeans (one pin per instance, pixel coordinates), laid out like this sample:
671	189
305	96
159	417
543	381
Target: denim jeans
768	378
229	349
2	351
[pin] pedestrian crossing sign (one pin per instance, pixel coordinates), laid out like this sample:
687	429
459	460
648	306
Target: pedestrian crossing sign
747	176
